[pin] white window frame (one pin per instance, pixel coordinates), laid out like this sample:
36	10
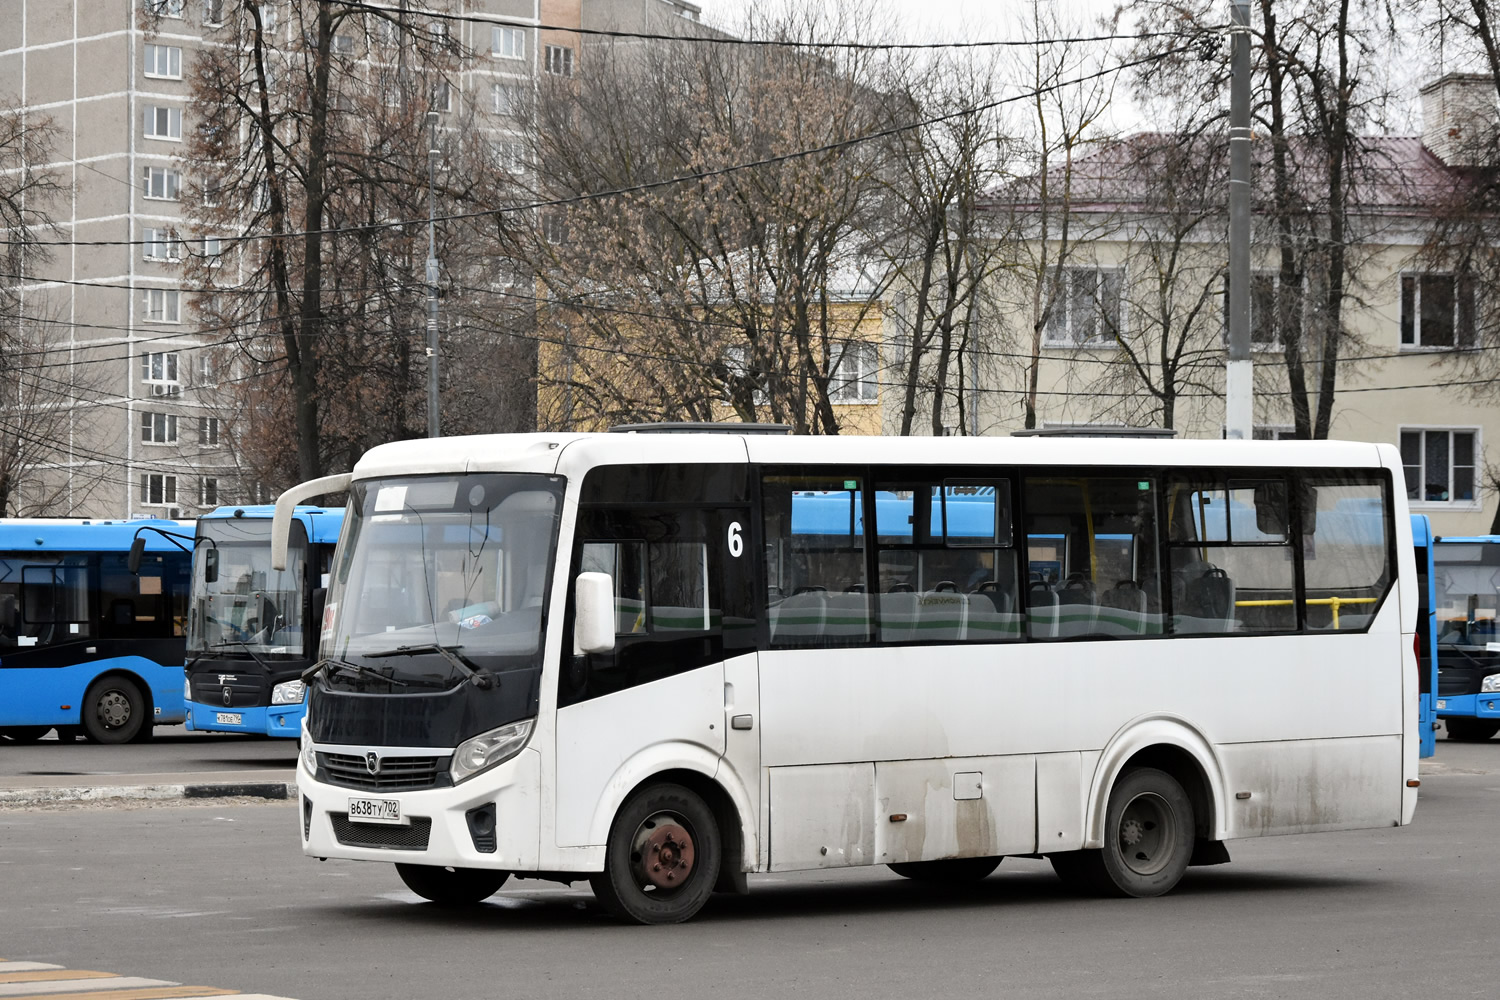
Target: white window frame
342	45
161	305
170	186
1059	330
166	8
213	13
862	388
505	98
160	372
507	42
208	432
1256	346
208	491
158	427
554	227
160	244
1421	503
157	54
442	97
158	117
1416	344
166	488
559	60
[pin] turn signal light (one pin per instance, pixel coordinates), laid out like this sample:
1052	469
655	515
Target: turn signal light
1413	782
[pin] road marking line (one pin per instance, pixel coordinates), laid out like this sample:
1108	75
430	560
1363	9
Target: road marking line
42	976
15	990
25	966
164	992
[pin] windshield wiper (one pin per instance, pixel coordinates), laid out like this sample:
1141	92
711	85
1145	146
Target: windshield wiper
243	645
344	666
480	678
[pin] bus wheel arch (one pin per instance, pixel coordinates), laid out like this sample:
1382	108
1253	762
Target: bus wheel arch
1169	745
108	696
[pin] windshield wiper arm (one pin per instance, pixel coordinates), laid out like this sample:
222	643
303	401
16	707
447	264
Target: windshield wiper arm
480	678
346	666
245	646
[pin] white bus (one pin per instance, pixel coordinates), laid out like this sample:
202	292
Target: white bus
660	661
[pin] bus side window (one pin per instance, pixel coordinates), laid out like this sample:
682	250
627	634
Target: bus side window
1345	550
1232	562
817	590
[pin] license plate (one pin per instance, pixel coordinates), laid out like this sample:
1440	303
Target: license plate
1442	704
229	719
375	811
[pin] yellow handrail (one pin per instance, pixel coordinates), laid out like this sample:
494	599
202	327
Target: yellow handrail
1332	602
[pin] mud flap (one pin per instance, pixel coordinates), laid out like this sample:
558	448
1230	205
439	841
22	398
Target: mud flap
1208	852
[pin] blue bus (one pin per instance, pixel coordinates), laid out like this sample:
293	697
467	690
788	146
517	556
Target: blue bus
86	646
1427	666
1466	601
252	630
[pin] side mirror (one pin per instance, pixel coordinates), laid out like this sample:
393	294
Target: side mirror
137	549
210	565
594	613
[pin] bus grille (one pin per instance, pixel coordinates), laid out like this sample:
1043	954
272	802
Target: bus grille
396	774
384	838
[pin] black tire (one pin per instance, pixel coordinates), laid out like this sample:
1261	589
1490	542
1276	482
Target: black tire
662	858
452	886
1471	730
114	710
953	871
24	734
1148	834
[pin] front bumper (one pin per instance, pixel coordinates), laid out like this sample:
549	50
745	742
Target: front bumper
512	788
263	720
1477	706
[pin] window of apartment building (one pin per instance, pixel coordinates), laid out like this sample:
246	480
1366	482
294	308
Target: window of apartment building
213	247
508	43
511	155
442	38
208	431
207	368
165	8
162	183
157	488
736	359
162	305
1439	463
1437	310
164	61
159	244
855	374
1088	307
559	60
159	428
387	33
159	372
211	190
163	123
343	44
554	227
506	98
442	97
1265	332
268	19
208	492
213	12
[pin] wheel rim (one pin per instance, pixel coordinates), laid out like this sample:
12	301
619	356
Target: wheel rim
1147	835
113	709
662	854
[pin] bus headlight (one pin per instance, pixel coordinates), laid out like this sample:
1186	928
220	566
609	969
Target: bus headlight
309	757
488	749
288	693
1490	684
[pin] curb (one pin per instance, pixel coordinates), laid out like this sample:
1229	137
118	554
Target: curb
59	795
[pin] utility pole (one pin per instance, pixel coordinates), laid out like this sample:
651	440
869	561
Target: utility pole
1239	410
433	427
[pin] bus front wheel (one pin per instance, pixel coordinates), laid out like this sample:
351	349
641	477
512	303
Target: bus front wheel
452	886
114	710
953	871
662	857
1470	730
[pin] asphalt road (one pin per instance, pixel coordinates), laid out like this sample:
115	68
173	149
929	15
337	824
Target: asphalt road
172	750
221	895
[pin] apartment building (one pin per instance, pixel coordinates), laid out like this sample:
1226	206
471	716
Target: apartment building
137	371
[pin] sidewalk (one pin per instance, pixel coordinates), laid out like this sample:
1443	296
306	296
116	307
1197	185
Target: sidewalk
49	789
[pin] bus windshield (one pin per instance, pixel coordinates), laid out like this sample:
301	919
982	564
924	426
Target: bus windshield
239	601
1467	592
435	564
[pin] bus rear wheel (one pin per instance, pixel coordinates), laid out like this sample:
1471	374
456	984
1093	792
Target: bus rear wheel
953	871
114	710
1148	835
24	734
452	886
662	858
1471	730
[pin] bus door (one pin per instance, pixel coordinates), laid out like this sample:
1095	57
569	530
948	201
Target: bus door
682	585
